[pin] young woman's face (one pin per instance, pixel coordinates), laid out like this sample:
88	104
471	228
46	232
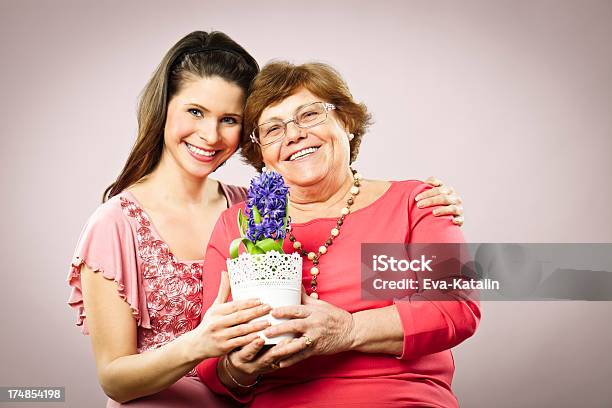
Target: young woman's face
203	125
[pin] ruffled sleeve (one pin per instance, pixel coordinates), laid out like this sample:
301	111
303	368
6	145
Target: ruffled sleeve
234	194
108	245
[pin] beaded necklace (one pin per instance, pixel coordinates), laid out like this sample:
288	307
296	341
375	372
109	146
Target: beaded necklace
315	257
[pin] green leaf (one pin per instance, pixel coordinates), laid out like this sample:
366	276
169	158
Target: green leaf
245	225
241	223
256	250
256	215
234	248
266	245
248	244
278	246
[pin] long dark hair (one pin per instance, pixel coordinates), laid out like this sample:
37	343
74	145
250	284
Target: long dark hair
198	54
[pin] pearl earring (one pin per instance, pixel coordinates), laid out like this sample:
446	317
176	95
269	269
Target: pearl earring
351	136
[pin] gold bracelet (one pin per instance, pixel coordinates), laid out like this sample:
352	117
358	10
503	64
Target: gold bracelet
229	373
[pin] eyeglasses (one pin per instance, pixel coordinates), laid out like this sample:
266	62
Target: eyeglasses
305	117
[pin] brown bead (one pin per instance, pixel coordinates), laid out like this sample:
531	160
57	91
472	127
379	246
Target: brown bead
339	222
291	238
315	261
329	242
350	201
356	183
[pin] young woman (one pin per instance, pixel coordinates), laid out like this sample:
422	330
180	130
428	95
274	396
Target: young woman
136	275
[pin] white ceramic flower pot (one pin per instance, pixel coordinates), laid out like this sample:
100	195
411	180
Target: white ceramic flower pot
273	277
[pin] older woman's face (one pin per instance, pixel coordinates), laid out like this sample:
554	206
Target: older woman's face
306	157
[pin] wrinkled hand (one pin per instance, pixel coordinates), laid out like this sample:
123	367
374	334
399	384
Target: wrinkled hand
246	365
441	195
324	328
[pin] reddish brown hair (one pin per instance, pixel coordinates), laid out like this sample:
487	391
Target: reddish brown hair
280	79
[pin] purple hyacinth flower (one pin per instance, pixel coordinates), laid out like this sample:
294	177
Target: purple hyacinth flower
267	193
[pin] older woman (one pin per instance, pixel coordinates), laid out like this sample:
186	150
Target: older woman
348	351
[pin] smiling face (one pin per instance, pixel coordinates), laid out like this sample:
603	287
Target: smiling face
203	125
305	157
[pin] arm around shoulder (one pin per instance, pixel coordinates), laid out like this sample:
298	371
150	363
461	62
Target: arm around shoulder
436	323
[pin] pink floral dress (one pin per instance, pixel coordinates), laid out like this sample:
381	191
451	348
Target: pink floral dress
164	293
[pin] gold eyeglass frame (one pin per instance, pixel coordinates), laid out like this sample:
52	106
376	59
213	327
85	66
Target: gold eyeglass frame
326	106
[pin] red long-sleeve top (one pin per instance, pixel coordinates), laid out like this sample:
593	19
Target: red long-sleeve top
422	375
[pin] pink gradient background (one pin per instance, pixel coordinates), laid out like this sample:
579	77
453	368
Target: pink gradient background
508	101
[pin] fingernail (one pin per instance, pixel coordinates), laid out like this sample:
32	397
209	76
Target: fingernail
420	205
417	198
435	212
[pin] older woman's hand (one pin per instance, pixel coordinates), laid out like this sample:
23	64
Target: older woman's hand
324	328
247	364
442	195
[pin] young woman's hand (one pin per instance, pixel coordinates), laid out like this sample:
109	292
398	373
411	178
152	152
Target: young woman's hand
225	326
